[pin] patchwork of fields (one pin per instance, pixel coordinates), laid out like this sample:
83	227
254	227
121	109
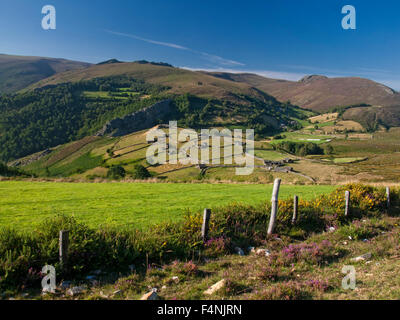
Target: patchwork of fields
23	205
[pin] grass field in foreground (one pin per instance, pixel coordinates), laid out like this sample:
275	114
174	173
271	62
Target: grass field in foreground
24	205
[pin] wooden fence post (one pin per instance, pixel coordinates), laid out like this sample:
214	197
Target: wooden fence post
206	221
64	242
295	209
388	197
274	206
347	205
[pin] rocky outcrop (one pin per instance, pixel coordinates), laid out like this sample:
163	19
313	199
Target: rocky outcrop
311	78
28	160
136	121
216	287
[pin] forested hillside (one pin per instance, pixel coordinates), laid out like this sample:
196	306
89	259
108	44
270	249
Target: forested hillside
55	114
46	117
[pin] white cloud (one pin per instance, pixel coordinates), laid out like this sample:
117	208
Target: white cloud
394	84
265	73
160	43
389	78
210	57
386	77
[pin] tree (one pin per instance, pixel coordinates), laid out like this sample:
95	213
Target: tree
9	171
140	172
110	152
116	172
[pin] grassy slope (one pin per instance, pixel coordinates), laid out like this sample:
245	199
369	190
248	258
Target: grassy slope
381	153
18	72
25	204
256	277
180	80
375	279
250	279
303	137
83	159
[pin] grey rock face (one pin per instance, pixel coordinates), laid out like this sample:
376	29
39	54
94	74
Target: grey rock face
29	160
136	121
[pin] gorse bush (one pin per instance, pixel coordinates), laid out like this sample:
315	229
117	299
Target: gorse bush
363	198
23	255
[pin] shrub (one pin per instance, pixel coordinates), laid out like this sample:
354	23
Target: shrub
110	152
140	172
328	149
318	285
269	273
116	172
232	288
291	290
309	253
216	247
279	137
359	230
187	269
300	148
9	171
132	283
363	199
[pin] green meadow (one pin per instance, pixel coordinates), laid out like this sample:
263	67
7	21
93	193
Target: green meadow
24	205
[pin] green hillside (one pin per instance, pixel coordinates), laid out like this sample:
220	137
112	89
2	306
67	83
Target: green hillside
75	104
92	158
18	72
40	119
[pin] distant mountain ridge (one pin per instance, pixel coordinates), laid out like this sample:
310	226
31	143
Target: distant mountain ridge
18	72
320	93
359	99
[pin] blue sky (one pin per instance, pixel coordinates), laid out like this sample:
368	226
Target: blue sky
276	38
